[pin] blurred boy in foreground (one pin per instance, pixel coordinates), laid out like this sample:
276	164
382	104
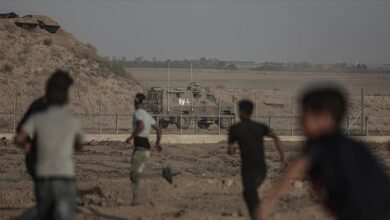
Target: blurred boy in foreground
349	181
58	133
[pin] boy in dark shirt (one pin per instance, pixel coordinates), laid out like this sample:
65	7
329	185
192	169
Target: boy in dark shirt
350	182
250	137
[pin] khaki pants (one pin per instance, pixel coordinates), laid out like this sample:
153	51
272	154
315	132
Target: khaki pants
138	162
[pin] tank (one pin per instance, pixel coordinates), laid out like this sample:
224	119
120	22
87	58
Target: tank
181	106
27	23
30	22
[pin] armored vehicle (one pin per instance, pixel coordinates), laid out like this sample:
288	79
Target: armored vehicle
30	22
181	106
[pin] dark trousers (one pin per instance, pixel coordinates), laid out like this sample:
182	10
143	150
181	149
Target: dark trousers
251	182
56	198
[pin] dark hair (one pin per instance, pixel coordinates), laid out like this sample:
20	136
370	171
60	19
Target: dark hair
139	98
57	87
329	99
246	106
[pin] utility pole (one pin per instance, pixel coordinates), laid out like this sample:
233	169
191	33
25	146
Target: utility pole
100	116
169	79
192	98
362	110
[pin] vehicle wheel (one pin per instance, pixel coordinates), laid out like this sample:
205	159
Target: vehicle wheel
203	125
163	123
183	122
224	122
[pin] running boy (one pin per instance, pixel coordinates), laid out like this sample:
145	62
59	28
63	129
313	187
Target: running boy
343	172
250	137
58	133
142	124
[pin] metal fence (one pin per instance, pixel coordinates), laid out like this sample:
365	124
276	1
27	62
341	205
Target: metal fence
119	123
362	119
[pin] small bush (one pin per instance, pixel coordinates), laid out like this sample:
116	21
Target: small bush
91	47
2	55
10	37
22	58
115	67
48	42
7	68
26	50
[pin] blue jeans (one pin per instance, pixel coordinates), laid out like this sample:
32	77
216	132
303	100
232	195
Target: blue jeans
56	198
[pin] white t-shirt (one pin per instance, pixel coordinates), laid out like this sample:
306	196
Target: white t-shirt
56	131
146	118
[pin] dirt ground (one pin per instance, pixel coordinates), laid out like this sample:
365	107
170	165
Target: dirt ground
208	186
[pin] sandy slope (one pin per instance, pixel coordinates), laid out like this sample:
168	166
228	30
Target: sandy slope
27	58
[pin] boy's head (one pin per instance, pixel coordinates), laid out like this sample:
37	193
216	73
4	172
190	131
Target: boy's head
139	100
245	108
57	88
323	110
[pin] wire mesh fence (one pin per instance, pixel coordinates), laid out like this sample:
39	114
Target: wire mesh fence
276	105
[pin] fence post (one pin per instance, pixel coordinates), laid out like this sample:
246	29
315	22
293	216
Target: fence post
196	123
14	117
366	124
100	116
269	121
292	117
116	123
219	117
181	120
362	110
256	107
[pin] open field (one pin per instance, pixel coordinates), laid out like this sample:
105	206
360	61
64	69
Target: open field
208	186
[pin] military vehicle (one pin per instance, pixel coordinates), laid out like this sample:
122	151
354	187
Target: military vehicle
30	22
181	106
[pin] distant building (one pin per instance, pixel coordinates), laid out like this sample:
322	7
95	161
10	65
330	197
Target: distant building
242	64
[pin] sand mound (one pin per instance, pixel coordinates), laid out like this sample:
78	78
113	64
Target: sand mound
29	56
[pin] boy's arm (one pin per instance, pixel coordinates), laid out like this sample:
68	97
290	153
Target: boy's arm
26	132
295	170
231	140
158	138
139	128
78	145
278	147
79	138
21	139
232	149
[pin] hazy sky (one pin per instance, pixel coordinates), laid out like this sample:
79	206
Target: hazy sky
317	30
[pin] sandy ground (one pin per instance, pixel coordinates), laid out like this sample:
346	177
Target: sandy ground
208	186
